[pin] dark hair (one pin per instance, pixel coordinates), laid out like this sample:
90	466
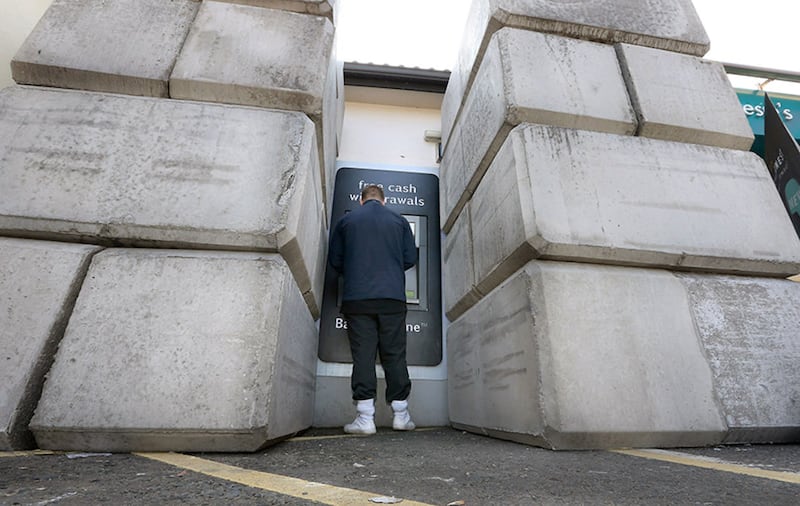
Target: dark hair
372	191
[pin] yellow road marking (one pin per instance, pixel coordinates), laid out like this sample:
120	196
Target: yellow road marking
30	453
712	463
309	490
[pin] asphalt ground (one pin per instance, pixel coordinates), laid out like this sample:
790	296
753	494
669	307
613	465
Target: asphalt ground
437	466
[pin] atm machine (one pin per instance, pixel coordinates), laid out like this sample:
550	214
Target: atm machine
415	196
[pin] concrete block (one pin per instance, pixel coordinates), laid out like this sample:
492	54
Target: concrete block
177	350
118	46
239	54
340	95
748	328
537	78
329	126
39	281
458	264
325	8
562	194
143	172
578	356
672	25
683	98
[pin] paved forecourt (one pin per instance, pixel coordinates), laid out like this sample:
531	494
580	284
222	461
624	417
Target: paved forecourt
450	467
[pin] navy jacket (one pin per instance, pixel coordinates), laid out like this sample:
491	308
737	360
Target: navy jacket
372	247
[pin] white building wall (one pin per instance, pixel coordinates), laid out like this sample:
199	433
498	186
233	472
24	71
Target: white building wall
387	127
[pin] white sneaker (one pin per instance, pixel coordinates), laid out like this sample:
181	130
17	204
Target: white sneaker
402	418
365	421
361	425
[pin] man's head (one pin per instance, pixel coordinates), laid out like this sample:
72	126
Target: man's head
372	192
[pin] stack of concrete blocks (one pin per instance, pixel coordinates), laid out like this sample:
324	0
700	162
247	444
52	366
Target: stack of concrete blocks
614	256
188	145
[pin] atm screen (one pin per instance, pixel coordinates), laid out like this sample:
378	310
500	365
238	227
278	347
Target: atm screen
412	274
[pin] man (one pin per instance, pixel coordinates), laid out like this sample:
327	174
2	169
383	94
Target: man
371	247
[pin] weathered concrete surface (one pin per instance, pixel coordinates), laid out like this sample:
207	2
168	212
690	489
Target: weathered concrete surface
254	56
340	93
325	8
39	281
578	356
458	265
181	350
142	171
329	126
537	78
118	46
672	25
749	329
562	194
245	55
683	98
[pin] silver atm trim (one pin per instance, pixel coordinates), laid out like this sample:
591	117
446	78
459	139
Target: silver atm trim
419	227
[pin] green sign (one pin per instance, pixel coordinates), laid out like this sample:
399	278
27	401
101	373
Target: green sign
792	194
753	107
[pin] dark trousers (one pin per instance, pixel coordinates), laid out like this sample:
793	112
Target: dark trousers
384	334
